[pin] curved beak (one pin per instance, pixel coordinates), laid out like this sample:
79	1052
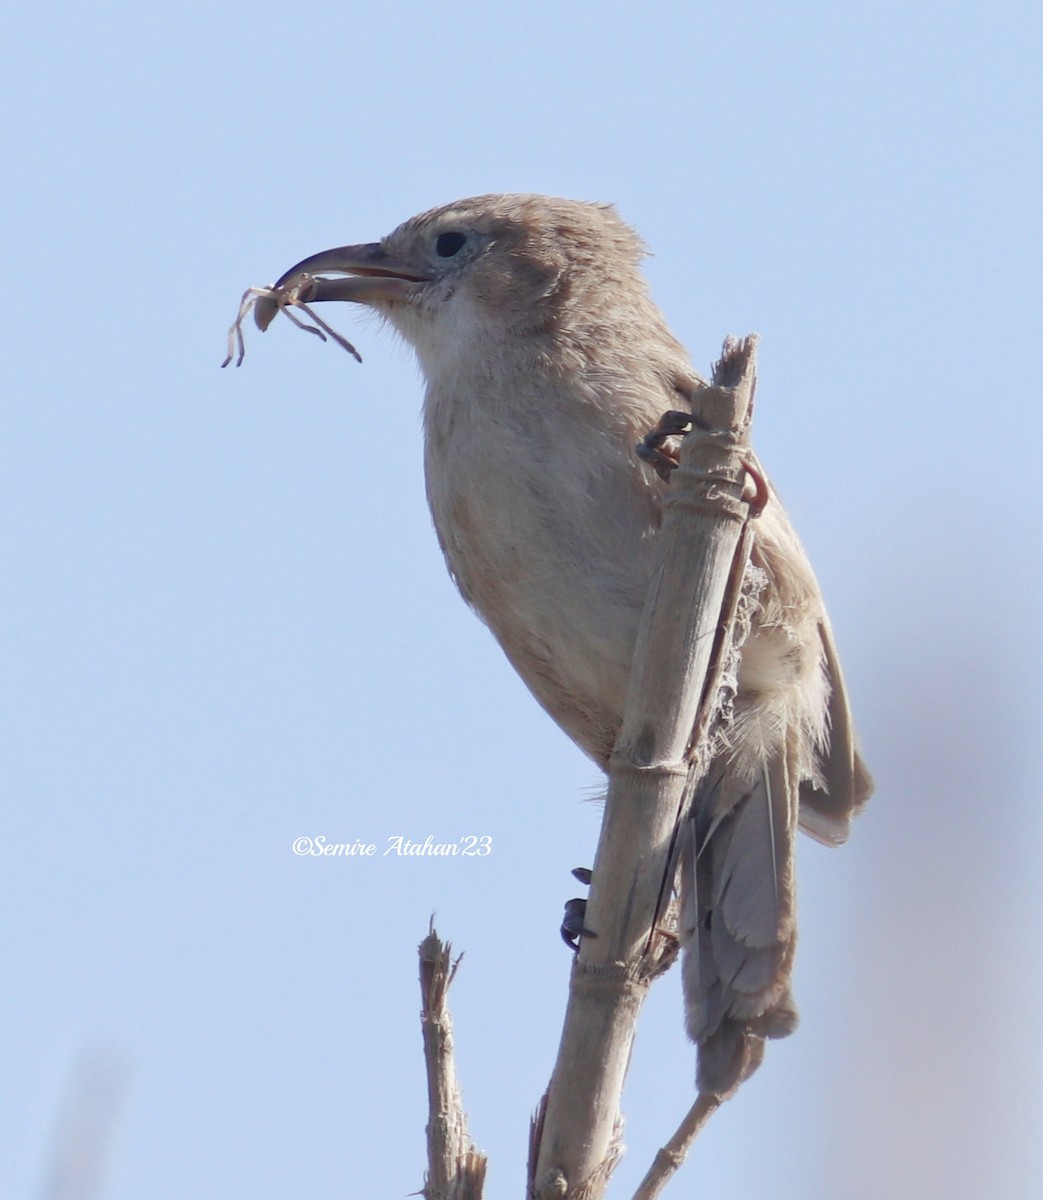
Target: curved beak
372	276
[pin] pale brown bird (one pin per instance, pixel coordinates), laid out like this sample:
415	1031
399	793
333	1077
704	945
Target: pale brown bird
546	363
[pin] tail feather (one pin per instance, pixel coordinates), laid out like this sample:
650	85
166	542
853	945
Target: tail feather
786	754
727	1058
737	919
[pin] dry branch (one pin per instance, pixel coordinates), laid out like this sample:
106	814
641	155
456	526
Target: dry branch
672	1155
685	636
455	1167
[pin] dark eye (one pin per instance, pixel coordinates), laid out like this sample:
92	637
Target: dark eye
447	244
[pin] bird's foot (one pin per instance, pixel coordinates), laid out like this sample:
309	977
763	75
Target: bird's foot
654	449
658	450
572	927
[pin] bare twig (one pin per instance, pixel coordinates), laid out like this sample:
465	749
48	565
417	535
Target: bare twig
455	1167
672	1155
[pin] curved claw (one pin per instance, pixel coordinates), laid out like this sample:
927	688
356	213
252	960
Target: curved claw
572	927
761	490
672	423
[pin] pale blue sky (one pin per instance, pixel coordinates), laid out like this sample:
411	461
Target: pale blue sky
227	623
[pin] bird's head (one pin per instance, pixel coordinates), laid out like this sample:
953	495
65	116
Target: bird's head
486	268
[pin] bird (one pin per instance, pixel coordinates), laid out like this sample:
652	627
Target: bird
546	363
